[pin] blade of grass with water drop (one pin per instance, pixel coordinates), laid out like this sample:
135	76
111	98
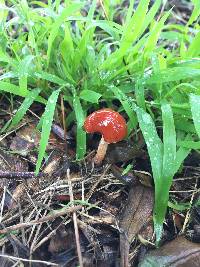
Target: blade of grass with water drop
11	88
55	27
195	108
173	74
50	77
28	101
131	31
161	154
139	94
23	68
163	183
195	13
80	133
155	151
129	111
181	155
190	144
155	33
193	49
15	90
46	127
169	140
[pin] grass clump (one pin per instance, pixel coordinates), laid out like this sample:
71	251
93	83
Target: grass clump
87	55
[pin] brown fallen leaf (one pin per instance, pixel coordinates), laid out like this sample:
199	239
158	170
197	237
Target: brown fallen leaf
22	189
26	139
136	217
123	151
61	241
178	253
12	163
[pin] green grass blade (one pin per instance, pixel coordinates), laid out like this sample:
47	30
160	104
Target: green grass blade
91	11
80	133
46	127
155	151
28	101
182	152
129	111
23	69
169	141
131	32
153	142
55	27
162	185
129	12
195	108
147	126
11	88
90	96
155	33
173	74
151	14
67	45
80	52
195	13
139	94
135	24
190	144
193	49
3	11
50	77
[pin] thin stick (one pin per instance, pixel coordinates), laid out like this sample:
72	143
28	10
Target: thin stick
19	175
26	260
47	218
2	202
75	221
187	217
63	118
104	10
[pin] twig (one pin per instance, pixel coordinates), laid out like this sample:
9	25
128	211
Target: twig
19	175
187	217
104	10
75	221
2	202
26	260
63	117
49	217
88	196
46	238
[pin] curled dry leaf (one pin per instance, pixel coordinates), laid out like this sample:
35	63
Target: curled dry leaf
180	253
123	151
135	218
25	140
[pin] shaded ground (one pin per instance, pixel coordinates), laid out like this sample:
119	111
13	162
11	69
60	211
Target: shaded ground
112	210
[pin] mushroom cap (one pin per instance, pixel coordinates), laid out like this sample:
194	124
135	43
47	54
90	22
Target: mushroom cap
109	123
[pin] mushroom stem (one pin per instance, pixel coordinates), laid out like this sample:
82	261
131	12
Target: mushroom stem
101	151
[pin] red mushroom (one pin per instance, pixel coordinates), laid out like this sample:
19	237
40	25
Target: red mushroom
110	124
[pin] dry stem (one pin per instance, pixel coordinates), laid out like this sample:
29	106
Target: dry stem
75	221
47	218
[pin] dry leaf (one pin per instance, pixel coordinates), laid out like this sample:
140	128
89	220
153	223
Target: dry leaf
178	253
135	218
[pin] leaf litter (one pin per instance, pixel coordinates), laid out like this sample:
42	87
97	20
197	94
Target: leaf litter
114	210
